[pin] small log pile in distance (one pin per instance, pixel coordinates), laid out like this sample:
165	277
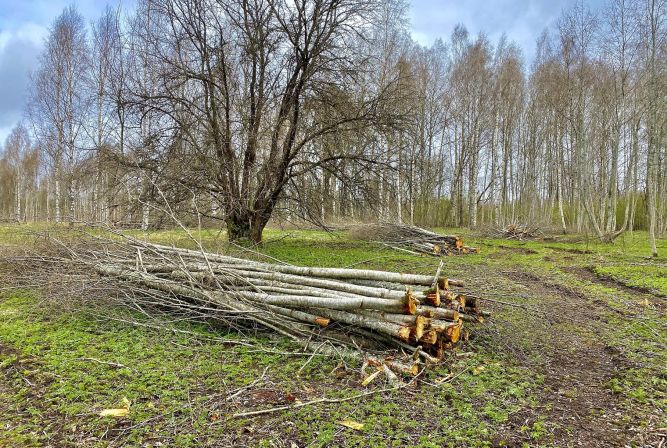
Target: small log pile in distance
515	231
413	239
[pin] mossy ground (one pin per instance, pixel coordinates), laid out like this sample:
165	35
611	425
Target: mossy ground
579	345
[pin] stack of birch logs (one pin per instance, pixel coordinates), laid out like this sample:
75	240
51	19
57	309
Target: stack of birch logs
420	314
516	232
413	239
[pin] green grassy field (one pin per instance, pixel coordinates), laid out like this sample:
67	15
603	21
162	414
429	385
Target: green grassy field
581	359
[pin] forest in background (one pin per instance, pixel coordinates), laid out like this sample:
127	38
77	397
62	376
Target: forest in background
324	111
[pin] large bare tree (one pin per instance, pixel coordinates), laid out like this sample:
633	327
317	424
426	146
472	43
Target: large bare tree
246	85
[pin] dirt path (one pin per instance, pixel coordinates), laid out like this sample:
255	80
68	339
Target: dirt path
640	294
578	368
560	335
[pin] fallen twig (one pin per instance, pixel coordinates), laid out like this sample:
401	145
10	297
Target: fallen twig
398	386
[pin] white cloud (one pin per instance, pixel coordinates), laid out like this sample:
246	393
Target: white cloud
19	50
28	31
422	38
523	21
33	32
24	26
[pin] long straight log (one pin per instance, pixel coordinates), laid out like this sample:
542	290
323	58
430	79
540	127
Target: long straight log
437	313
239	282
337	273
334	303
401	319
401	332
417	324
367	291
299	315
404	305
324	284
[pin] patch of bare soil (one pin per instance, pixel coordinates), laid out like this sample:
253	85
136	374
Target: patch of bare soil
545	287
576	398
570	250
519	250
512	249
640	294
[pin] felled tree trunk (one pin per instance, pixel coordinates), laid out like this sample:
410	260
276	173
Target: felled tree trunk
327	273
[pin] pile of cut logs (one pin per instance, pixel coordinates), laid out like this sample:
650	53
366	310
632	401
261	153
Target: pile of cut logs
414	239
517	232
361	311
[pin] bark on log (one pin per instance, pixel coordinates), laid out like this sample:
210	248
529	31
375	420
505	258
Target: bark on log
335	273
401	332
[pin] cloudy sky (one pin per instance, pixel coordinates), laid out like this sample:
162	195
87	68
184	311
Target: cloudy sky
24	26
522	20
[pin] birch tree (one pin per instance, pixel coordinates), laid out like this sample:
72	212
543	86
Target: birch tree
59	104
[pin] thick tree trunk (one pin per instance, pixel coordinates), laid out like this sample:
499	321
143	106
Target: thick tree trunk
246	225
238	227
257	228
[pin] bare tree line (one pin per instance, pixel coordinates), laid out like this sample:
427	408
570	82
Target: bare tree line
240	111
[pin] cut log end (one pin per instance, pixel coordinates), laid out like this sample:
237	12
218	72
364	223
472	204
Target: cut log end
432	296
461	299
430	337
410	303
447	297
404	334
455	333
420	324
322	321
